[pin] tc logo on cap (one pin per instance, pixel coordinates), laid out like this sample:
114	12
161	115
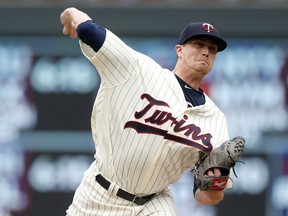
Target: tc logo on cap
208	27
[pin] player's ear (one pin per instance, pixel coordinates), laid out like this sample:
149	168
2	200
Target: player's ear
178	49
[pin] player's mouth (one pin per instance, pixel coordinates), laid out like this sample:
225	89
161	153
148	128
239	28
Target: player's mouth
203	61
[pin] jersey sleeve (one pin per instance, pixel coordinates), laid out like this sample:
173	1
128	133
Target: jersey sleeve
115	61
91	34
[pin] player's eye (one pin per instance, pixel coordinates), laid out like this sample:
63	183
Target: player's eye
199	44
213	49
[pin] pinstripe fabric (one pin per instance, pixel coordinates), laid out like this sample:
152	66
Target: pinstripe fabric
143	132
92	199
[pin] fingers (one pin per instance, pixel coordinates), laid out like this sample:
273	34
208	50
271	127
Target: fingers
217	172
66	21
70	19
66	17
69	31
65	30
214	172
210	173
73	35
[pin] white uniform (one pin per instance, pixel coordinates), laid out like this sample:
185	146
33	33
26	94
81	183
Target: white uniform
145	135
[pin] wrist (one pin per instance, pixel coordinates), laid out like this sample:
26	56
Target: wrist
209	197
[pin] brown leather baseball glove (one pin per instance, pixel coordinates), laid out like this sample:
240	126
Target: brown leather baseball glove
223	157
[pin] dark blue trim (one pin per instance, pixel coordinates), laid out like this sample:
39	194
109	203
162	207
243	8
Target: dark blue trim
91	34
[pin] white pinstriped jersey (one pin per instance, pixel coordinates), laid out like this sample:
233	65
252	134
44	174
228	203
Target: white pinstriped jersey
145	135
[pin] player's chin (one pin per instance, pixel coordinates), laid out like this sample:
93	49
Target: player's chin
204	72
204	68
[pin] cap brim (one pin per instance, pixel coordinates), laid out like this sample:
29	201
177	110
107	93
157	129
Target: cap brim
221	43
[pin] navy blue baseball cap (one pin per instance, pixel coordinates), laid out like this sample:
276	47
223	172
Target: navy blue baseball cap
199	29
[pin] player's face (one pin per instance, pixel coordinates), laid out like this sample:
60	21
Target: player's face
197	55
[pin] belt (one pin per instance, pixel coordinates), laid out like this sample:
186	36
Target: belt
124	194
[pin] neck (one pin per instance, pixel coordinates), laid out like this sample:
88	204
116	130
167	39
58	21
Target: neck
191	79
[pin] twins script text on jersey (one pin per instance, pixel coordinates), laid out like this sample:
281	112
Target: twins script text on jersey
160	117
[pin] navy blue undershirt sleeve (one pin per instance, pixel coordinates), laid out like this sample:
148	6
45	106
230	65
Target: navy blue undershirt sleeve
91	34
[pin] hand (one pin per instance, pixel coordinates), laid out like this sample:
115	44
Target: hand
210	197
71	18
214	172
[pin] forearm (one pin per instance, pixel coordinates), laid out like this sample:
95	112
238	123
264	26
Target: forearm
210	197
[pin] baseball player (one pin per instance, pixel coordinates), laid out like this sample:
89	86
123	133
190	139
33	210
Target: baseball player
148	123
